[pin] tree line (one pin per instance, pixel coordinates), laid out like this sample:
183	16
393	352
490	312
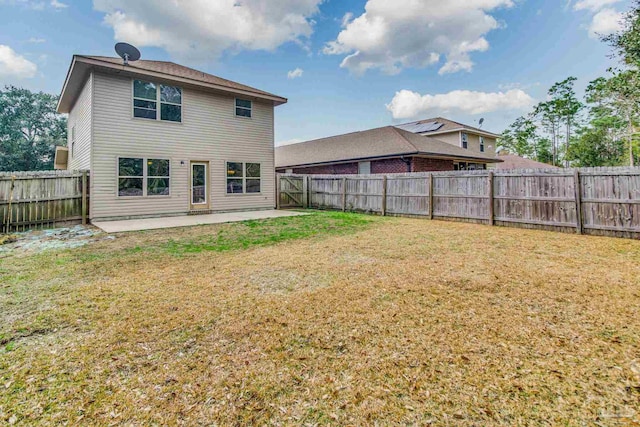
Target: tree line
30	129
600	130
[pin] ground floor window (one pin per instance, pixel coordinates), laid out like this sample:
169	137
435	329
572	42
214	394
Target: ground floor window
139	177
464	166
244	178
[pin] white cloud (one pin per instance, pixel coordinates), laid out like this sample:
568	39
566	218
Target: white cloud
58	5
392	35
14	65
36	40
294	74
593	5
407	104
605	22
202	29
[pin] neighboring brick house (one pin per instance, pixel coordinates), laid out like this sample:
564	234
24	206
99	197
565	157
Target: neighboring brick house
467	137
383	150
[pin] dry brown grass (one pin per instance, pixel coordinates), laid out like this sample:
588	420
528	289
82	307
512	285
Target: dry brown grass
407	321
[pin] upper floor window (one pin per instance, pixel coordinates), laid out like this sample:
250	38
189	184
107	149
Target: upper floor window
482	144
465	140
147	96
243	107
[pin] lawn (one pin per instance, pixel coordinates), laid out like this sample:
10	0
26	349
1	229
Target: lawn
326	319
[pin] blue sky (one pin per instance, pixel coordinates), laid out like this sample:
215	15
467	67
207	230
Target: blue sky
411	60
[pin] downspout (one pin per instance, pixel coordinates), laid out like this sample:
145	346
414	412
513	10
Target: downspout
407	162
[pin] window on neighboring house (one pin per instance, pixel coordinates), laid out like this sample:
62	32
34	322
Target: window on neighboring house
243	107
482	144
243	178
465	140
143	177
73	139
147	95
364	168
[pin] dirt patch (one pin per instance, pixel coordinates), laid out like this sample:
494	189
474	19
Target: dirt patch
31	242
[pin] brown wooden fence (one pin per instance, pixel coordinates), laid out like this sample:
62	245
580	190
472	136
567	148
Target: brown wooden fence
602	201
45	199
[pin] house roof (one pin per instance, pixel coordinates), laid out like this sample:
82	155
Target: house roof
162	70
383	142
511	161
450	126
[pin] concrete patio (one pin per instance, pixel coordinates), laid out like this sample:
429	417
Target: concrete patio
189	220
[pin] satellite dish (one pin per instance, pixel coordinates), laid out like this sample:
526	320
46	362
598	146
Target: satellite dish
127	52
481	121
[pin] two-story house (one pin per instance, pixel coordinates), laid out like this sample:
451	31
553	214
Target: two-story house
423	146
162	139
472	139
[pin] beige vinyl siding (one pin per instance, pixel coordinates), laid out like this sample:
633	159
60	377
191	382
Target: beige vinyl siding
450	138
209	131
473	142
80	117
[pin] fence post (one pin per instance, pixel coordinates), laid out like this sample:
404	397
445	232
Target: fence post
84	197
9	212
430	196
384	195
491	214
578	192
278	191
305	192
344	194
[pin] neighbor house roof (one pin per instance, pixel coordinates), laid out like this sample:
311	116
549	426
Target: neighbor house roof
511	161
449	126
161	70
383	142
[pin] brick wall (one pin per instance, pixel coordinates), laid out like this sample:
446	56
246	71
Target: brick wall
397	165
341	169
390	166
421	164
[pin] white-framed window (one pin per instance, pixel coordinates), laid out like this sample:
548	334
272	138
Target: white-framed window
464	140
73	139
244	178
364	168
147	96
244	108
140	177
482	144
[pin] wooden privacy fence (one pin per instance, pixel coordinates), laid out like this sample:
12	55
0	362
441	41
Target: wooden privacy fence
42	199
603	201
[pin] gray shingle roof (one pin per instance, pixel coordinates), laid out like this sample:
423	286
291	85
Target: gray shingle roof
173	69
387	141
511	161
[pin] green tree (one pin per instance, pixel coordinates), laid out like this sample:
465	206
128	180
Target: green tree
517	138
542	149
550	118
30	128
593	146
567	107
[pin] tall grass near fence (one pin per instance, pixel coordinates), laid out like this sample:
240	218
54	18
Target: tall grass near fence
602	201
